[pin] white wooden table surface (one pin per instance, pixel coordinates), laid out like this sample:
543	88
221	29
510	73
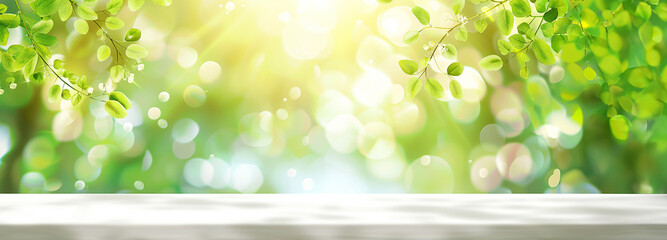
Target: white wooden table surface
295	217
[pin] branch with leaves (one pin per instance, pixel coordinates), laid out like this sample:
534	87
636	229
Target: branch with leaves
612	46
34	62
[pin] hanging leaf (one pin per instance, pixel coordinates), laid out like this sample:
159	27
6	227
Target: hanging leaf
411	37
103	53
408	66
449	51
455	69
121	98
136	51
462	34
114	6
491	62
81	26
114	23
543	52
115	109
434	88
481	25
505	21
135	5
44	39
504	46
45	8
520	8
414	85
455	89
54	93
86	13
133	35
422	15
65	10
457	6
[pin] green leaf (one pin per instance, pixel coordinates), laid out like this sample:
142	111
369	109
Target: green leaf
45	8
81	26
620	127
43	26
481	25
30	66
117	73
3	8
610	65
86	13
115	109
58	64
65	10
136	51
66	95
457	6
385	1
411	37
455	69
434	88
408	66
45	39
523	28
571	53
103	53
114	23
462	34
54	93
551	15
517	41
4	36
547	30
121	98
9	20
449	51
491	62
543	52
505	21
135	5
76	99
8	62
133	35
422	15
455	89
113	6
520	8
414	85
643	11
504	46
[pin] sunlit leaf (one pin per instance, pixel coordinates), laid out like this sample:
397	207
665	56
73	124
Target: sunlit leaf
121	98
434	88
620	127
54	93
136	51
520	8
133	35
103	53
414	85
492	62
455	69
86	13
455	89
422	15
114	23
115	109
81	26
505	21
449	51
543	52
408	66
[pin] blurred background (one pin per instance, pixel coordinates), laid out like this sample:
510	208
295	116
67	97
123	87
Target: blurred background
306	96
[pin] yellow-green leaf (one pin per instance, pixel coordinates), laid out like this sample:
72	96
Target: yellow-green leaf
543	52
81	26
408	66
492	62
114	109
505	21
455	69
103	53
434	88
136	51
121	98
422	15
455	89
114	23
414	85
620	127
